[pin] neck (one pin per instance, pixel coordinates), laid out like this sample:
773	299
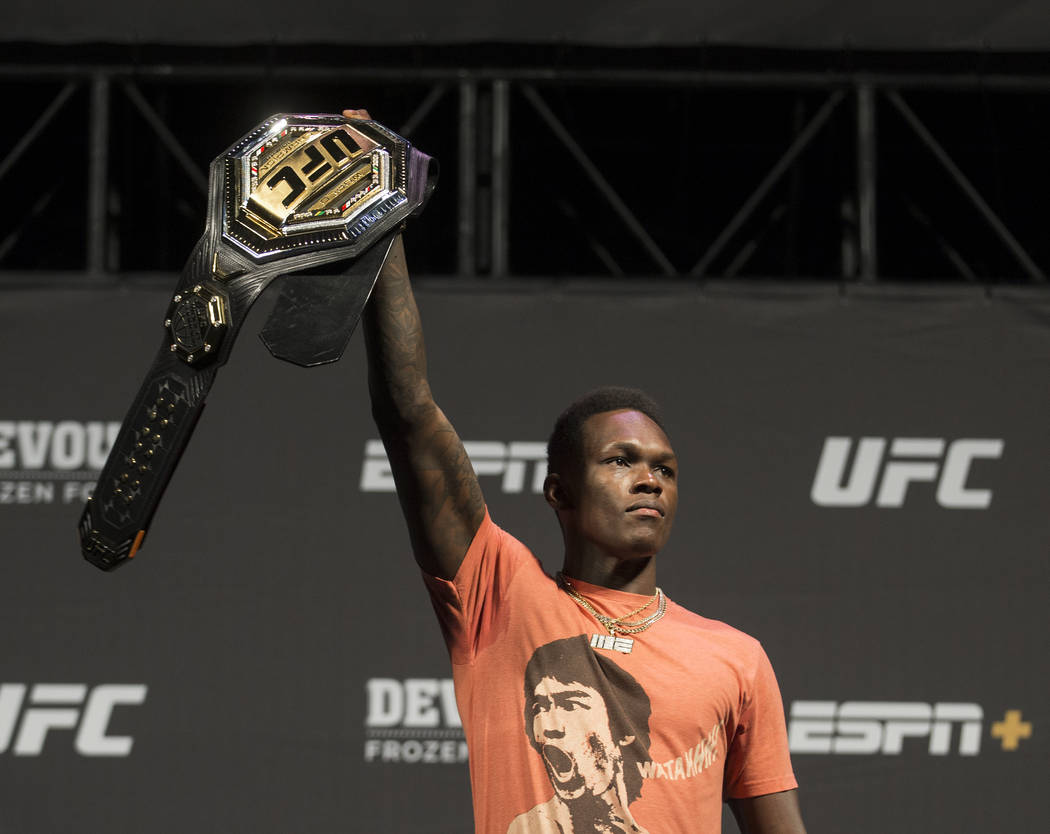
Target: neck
605	813
636	576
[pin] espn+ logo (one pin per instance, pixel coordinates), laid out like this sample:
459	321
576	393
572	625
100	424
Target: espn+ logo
65	706
852	474
881	727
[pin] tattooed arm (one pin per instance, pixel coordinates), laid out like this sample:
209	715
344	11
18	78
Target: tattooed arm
439	493
773	813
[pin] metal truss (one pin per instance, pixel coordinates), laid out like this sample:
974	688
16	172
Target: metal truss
545	180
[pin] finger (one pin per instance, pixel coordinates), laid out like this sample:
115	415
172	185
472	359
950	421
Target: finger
357	114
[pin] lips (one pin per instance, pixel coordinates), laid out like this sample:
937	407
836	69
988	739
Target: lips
646	508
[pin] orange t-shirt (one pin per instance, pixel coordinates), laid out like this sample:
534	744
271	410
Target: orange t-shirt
567	732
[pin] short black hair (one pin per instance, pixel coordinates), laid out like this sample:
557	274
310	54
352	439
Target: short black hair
565	445
572	660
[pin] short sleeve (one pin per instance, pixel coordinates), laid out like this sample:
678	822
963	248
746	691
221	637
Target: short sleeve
759	761
469	604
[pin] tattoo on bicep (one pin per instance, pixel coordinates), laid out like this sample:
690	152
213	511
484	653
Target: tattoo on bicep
454	499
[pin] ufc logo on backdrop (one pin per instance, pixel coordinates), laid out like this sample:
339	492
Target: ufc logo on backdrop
873	473
65	706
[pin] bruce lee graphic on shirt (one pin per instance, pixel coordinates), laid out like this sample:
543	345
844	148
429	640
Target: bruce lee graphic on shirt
588	720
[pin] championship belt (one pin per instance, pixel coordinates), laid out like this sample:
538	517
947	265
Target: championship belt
298	191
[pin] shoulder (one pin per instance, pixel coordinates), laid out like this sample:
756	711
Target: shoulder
491	541
493	560
491	534
713	629
718	640
510	547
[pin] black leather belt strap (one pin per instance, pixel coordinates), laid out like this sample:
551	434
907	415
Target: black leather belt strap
297	192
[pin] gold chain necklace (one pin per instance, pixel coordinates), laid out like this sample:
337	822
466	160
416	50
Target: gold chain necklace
618	624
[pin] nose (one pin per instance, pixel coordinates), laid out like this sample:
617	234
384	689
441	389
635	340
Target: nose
546	726
647	484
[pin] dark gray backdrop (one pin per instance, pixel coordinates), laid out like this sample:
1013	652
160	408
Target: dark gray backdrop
808	24
272	590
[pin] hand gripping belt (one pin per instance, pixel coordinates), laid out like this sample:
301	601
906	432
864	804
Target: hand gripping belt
298	191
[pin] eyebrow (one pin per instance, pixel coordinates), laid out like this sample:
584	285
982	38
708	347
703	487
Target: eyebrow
559	697
634	449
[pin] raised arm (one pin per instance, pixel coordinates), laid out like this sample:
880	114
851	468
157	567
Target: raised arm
436	485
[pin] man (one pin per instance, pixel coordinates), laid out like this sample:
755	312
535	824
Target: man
710	695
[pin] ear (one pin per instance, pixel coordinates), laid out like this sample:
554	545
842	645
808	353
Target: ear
555	492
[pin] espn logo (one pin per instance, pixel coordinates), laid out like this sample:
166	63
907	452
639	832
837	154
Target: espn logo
880	727
911	460
57	706
521	465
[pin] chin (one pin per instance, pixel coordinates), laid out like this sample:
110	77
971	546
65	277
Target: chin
634	557
643	548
